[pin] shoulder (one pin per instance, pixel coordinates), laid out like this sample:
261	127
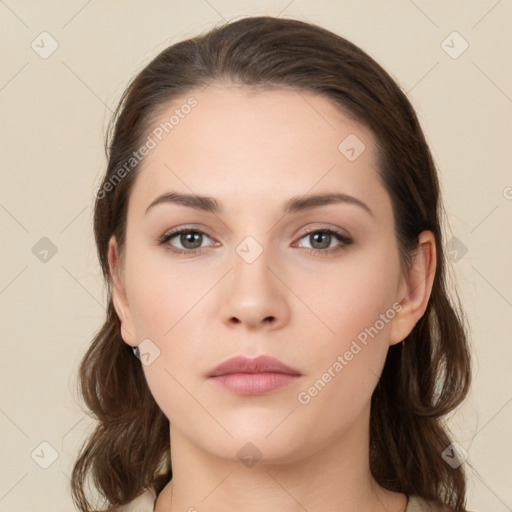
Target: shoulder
142	503
146	502
417	504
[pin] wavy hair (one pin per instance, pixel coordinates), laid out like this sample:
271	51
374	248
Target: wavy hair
424	377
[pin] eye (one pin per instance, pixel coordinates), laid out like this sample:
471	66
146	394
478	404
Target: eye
321	241
191	240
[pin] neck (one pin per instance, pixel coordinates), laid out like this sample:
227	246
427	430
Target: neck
336	477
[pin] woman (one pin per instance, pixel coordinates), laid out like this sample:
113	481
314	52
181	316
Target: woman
278	335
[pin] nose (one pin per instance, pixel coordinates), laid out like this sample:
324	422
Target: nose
255	295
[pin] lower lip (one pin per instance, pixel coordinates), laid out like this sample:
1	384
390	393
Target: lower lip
253	383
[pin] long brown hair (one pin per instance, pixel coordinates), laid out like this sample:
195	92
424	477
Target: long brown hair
424	377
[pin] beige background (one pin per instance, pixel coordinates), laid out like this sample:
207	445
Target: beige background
54	113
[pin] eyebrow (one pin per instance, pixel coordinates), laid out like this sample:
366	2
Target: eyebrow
293	205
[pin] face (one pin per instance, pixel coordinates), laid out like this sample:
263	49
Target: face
313	283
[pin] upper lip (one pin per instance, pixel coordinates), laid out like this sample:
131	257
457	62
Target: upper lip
261	364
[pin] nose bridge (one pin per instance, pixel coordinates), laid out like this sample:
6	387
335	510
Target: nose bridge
251	263
255	295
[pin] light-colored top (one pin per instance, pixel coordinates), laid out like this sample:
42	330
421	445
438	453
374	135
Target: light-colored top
146	503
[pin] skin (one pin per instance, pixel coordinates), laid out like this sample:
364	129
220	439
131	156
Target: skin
252	152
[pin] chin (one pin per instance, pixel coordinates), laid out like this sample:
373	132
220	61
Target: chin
253	450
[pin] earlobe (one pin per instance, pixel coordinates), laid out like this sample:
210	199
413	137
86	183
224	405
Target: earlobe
415	289
119	298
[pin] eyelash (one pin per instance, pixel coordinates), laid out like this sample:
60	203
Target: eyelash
315	252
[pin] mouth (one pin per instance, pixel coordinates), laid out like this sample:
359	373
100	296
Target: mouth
244	376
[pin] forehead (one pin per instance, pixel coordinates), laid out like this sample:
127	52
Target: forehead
245	146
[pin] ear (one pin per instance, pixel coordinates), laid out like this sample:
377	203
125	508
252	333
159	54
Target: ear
415	289
119	294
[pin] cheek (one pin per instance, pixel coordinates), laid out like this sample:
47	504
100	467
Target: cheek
161	292
351	295
357	304
165	306
345	371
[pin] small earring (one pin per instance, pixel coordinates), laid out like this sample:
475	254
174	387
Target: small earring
136	352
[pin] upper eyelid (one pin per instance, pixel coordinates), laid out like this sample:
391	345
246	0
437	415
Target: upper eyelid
178	231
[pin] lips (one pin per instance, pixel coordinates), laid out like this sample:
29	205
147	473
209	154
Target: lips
261	364
253	377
